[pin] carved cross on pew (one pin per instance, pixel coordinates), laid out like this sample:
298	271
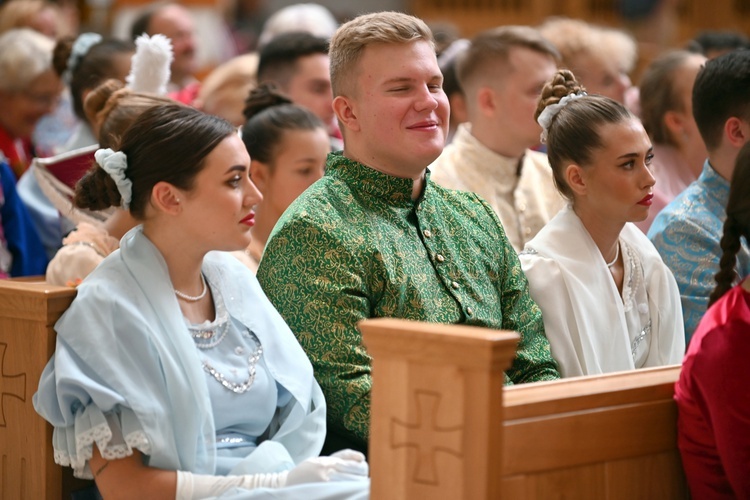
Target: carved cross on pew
10	385
427	436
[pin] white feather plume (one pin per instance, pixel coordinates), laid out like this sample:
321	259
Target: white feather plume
149	71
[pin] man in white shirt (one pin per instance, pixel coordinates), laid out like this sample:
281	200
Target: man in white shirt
502	75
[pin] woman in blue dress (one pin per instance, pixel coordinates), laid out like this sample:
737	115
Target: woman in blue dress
173	375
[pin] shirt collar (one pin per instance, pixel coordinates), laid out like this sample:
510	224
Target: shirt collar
717	186
484	161
393	190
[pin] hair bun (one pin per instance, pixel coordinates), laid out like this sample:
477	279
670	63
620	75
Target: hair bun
264	96
96	104
563	83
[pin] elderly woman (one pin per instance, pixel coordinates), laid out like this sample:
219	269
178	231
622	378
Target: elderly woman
667	115
29	90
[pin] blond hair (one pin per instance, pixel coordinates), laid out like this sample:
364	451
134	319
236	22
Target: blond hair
111	108
20	13
24	56
575	39
350	40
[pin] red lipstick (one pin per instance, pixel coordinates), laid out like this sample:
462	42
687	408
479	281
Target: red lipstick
249	219
647	200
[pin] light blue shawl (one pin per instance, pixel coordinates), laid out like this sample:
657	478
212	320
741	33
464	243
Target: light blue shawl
123	349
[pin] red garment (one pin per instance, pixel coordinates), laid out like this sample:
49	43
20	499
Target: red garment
187	95
18	152
713	400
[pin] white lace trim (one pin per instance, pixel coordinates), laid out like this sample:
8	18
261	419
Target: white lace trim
102	435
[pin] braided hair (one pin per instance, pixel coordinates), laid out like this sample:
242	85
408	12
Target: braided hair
736	226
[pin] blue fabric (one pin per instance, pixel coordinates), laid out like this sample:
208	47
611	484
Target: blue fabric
124	352
687	234
29	257
44	215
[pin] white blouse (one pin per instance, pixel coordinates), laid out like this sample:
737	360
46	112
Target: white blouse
591	327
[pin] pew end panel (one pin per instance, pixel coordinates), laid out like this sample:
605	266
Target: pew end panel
28	311
438	394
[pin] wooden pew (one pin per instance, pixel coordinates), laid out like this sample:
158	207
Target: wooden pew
28	311
444	427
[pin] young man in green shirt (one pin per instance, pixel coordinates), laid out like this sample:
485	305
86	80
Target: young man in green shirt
376	238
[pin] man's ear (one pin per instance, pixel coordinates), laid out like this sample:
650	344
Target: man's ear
347	113
575	177
486	102
736	131
675	123
166	198
259	174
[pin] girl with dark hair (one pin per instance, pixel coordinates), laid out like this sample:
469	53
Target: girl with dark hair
84	63
608	301
171	360
288	145
711	395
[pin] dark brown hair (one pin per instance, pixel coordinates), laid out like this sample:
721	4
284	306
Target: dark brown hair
736	226
168	143
573	133
91	69
269	114
721	92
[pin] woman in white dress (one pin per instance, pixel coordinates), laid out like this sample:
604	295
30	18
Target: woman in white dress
608	301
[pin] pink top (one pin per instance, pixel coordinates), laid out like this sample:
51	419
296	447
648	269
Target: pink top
672	175
713	400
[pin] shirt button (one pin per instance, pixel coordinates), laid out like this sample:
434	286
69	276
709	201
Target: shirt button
522	207
427	233
527	231
440	258
454	285
469	311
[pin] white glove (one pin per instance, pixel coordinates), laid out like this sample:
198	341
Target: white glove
196	486
344	465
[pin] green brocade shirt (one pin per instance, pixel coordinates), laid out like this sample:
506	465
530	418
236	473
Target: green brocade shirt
355	245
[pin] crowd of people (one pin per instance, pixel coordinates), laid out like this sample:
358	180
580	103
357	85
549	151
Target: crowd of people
227	232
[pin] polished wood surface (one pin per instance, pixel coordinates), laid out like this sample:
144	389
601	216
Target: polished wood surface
436	409
443	426
28	311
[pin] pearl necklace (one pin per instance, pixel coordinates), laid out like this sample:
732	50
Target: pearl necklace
617	255
193	298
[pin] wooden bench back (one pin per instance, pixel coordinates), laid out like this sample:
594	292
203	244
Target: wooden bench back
443	426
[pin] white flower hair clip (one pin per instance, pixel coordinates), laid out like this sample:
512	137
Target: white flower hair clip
550	112
115	163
